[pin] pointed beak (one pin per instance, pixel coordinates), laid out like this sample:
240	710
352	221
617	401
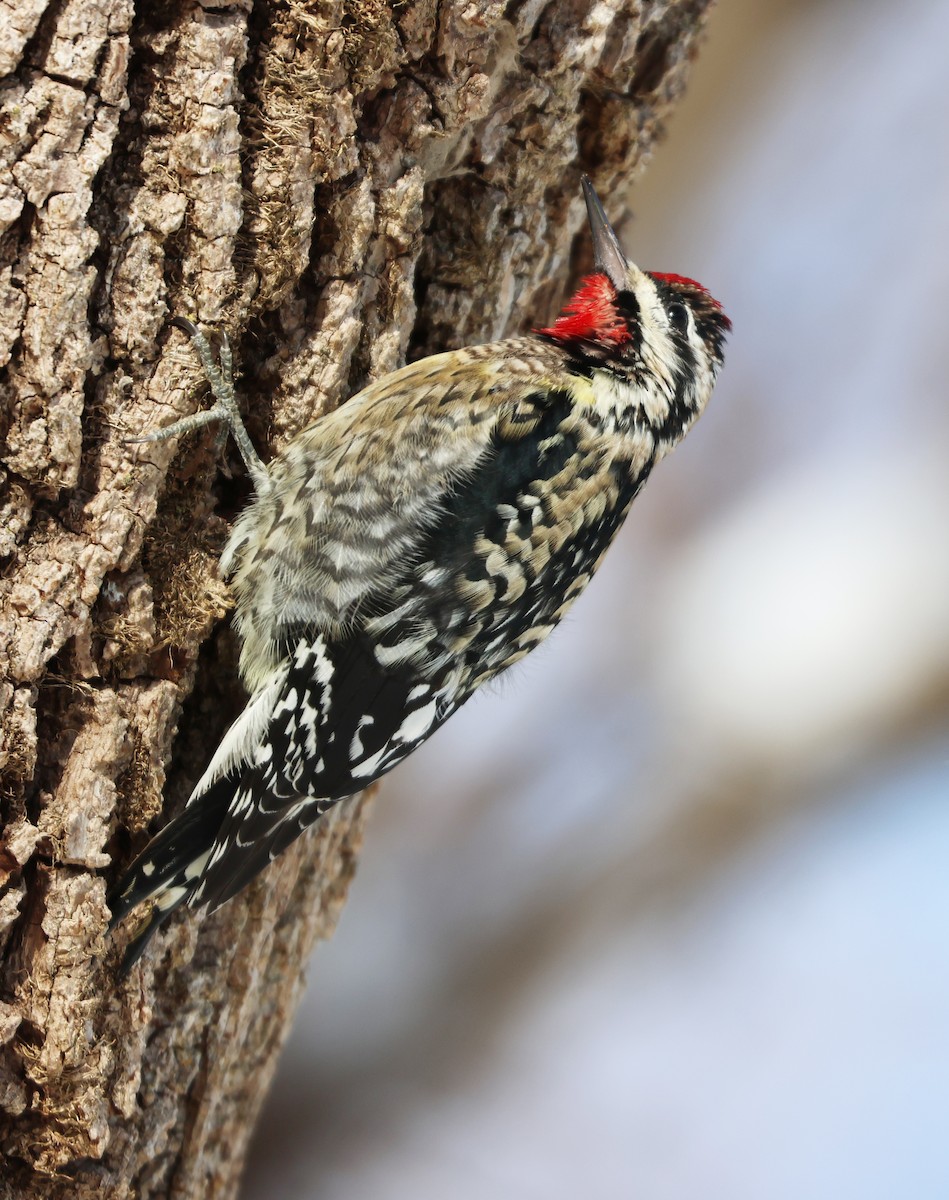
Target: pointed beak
608	256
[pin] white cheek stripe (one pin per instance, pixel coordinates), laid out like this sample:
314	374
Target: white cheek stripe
658	348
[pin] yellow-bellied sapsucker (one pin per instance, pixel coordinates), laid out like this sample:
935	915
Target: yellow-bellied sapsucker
416	542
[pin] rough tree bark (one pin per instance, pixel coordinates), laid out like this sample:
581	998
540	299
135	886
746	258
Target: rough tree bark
340	184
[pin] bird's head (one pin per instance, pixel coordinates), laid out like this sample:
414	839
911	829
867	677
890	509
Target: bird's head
650	343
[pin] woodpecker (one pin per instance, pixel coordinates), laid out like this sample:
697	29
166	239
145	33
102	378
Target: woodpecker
416	542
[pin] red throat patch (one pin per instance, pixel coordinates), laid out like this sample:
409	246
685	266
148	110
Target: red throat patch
590	315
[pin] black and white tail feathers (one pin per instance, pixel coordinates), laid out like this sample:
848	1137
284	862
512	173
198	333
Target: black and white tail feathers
328	724
201	858
168	867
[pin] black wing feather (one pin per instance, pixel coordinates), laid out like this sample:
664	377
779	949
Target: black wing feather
358	711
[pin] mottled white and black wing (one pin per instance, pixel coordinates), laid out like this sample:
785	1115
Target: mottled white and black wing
341	722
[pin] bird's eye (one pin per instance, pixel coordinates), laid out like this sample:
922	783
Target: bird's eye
678	316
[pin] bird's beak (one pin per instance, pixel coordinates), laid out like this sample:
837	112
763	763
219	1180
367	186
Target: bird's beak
608	256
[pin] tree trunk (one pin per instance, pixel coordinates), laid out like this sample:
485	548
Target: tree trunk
340	185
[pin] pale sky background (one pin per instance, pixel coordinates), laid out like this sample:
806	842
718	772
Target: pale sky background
666	915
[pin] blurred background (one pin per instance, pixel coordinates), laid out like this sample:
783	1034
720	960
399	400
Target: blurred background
669	916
